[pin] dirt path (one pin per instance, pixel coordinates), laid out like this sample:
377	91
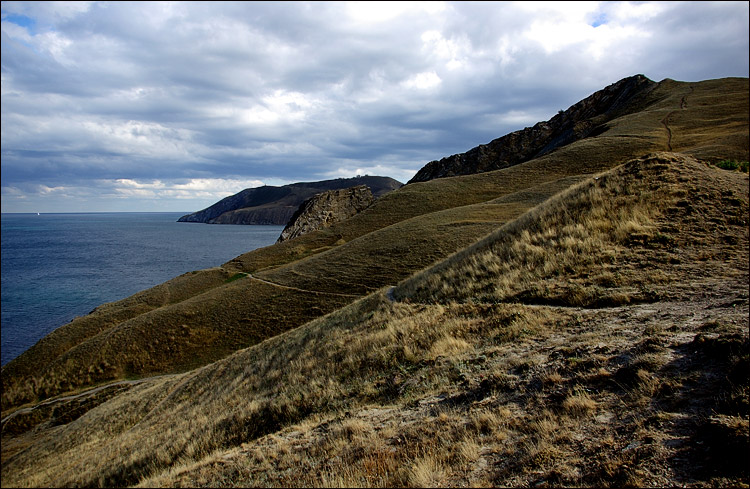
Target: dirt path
665	121
71	397
298	289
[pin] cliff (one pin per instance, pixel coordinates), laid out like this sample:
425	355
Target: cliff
586	118
325	209
276	205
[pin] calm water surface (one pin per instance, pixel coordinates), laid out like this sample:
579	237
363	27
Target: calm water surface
59	266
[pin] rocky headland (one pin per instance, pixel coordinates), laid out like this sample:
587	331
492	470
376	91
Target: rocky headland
324	209
276	205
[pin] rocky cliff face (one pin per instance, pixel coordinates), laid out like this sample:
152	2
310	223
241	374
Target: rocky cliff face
276	205
324	209
586	118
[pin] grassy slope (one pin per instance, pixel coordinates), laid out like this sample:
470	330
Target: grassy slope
466	379
200	318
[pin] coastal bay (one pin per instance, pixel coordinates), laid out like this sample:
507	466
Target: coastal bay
59	266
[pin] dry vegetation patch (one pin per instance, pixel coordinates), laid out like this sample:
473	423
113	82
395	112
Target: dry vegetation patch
619	238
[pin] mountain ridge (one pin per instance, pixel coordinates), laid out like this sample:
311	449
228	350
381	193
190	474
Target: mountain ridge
586	118
276	205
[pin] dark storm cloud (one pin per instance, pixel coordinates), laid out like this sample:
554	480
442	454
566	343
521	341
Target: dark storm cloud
108	105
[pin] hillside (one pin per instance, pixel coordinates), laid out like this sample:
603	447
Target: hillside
599	339
276	205
578	318
587	118
203	316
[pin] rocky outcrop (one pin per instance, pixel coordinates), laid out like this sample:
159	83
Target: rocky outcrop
586	118
276	205
324	209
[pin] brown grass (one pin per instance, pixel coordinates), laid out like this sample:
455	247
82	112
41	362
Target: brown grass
578	248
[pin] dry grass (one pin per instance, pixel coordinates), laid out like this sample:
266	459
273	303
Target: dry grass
201	317
579	403
171	338
578	248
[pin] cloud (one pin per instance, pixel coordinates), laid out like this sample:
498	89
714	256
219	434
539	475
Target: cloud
207	188
423	81
275	92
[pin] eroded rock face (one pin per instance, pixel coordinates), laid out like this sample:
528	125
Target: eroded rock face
324	209
586	118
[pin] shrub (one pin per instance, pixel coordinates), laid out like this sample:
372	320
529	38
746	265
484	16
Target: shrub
733	165
235	277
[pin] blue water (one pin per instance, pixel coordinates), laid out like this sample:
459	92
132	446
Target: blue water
59	266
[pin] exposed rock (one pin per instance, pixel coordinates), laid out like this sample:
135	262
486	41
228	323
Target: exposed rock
276	205
586	118
324	209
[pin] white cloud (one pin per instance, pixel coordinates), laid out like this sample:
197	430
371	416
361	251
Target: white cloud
15	31
118	195
560	25
44	189
450	52
635	11
280	106
423	81
47	12
377	12
211	188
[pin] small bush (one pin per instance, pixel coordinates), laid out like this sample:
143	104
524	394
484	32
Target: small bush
579	403
235	277
732	165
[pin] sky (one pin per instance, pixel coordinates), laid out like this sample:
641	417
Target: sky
171	106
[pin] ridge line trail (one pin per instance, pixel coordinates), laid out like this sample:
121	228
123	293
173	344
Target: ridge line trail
665	120
71	397
274	284
138	381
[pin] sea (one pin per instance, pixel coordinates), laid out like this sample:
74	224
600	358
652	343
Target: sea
59	266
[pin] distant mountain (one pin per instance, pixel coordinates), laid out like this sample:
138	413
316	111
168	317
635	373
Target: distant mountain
276	205
586	118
